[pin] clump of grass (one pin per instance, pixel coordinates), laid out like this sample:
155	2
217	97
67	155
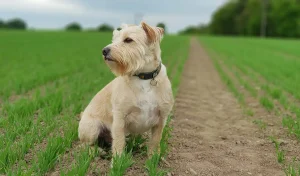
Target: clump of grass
120	164
280	156
260	123
136	144
165	138
295	109
249	112
82	162
293	125
266	87
266	103
288	122
292	169
276	93
152	165
280	153
284	102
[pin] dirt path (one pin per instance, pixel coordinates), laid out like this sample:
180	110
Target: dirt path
211	136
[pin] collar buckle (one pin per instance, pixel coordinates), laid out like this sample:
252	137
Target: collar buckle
150	75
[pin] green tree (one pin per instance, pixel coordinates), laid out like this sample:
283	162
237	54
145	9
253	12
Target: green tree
280	18
201	29
241	20
162	25
74	26
16	23
105	28
223	20
285	18
254	15
2	24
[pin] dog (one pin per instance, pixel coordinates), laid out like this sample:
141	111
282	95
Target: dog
139	99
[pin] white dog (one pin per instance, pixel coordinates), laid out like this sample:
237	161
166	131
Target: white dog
139	99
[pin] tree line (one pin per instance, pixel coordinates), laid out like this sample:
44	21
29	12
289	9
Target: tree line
18	23
274	18
15	23
74	26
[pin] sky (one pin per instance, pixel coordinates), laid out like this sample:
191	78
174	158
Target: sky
56	14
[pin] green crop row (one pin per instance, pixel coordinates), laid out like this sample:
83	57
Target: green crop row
270	66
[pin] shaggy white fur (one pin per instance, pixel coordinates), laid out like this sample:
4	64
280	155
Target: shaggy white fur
129	104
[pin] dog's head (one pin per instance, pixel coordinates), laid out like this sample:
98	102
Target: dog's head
134	49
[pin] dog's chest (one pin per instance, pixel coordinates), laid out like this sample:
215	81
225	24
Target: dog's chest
145	112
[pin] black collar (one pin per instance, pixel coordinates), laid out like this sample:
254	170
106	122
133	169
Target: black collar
149	75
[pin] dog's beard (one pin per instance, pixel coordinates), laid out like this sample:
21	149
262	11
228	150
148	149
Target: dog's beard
126	63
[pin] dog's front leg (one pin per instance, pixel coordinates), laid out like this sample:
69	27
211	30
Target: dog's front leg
118	134
156	134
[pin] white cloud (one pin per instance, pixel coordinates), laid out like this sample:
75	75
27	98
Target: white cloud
42	6
57	7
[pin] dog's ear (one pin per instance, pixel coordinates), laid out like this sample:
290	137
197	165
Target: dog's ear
153	33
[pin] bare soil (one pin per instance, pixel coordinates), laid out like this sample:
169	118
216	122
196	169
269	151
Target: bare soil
211	135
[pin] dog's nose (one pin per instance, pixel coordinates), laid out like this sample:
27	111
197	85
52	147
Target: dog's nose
105	51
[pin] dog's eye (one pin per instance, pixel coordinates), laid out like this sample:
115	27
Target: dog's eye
128	40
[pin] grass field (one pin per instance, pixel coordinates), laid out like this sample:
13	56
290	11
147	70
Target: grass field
47	79
268	70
